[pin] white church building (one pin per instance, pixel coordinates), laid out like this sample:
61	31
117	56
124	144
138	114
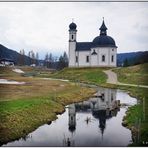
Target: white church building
101	52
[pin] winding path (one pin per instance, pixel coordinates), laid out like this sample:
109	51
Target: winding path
112	79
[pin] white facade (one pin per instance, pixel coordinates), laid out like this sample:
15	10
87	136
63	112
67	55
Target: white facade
105	56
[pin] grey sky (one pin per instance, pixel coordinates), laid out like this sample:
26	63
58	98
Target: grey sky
43	27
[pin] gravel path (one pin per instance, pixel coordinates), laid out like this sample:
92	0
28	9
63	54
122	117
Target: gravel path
112	78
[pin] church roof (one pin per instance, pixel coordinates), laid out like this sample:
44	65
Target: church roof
103	40
83	46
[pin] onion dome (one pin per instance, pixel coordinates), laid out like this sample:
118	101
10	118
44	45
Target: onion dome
72	26
103	40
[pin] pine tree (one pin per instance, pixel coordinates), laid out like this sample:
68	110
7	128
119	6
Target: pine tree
126	63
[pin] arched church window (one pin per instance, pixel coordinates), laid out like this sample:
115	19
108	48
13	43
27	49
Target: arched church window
112	97
87	59
76	59
103	58
72	37
112	58
71	118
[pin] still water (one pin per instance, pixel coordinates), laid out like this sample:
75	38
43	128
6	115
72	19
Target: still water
96	122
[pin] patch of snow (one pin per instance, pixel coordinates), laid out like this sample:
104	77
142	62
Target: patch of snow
56	79
18	70
4	81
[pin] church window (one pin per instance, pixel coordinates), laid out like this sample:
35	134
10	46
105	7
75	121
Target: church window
72	37
94	52
112	49
87	59
71	118
76	59
112	58
112	97
103	58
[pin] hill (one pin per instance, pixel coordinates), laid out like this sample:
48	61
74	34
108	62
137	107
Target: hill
133	58
137	74
13	55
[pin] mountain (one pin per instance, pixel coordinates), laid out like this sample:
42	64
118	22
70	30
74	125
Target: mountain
12	55
133	58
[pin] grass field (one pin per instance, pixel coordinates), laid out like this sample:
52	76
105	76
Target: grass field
86	75
137	116
25	107
137	74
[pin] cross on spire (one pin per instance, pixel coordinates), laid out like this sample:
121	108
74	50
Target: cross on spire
103	28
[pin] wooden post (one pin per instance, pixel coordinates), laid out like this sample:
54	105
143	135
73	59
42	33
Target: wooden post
143	109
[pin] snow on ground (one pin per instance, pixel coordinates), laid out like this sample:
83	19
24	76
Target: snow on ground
55	79
18	70
4	81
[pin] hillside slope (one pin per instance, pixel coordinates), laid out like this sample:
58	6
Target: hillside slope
137	74
11	54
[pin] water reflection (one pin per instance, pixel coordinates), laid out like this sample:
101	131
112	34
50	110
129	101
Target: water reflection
95	122
103	106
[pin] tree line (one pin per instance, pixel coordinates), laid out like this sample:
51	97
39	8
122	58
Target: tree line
50	61
140	59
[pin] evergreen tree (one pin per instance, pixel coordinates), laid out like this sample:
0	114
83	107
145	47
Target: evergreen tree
37	59
46	60
63	61
126	63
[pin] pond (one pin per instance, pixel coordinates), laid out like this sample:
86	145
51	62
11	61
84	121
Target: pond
95	122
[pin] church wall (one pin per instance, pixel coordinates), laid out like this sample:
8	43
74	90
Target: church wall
113	51
107	52
82	58
109	99
72	46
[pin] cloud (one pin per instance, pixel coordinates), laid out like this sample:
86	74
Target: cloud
43	27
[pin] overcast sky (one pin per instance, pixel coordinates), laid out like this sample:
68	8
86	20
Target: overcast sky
43	26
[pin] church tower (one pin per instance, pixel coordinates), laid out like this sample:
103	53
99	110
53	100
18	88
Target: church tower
72	44
72	117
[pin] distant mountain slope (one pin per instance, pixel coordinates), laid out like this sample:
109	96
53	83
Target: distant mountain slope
132	57
11	54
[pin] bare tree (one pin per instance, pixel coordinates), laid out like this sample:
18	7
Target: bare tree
37	58
21	59
46	60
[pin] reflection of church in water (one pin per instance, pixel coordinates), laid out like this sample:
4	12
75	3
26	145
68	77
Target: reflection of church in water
103	105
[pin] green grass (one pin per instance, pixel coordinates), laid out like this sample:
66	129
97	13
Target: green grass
137	74
137	114
24	108
87	75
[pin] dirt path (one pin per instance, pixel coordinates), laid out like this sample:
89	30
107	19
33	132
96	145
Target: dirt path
112	78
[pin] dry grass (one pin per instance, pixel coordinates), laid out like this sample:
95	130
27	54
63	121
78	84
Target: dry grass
25	107
137	74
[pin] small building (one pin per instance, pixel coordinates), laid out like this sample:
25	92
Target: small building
6	62
101	52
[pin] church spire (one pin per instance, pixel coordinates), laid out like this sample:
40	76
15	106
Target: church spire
103	28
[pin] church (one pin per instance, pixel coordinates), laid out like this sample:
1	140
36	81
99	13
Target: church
101	52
